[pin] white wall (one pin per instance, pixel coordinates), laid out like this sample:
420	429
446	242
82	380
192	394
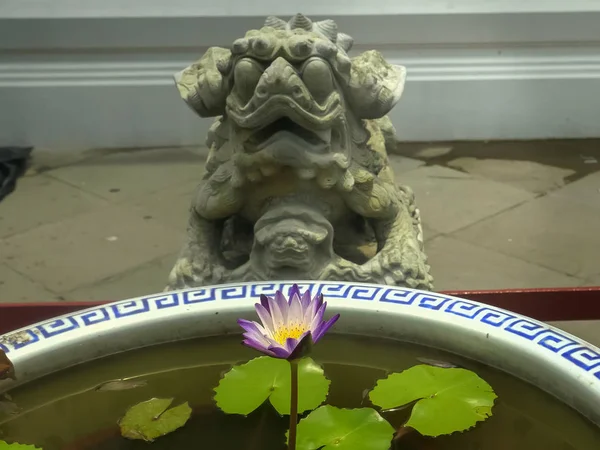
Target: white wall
83	73
198	8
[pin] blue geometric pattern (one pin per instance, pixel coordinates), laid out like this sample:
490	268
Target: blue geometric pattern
582	357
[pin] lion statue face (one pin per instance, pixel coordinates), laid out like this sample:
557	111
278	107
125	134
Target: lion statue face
286	105
289	95
288	113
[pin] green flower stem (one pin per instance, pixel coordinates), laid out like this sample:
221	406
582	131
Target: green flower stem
293	404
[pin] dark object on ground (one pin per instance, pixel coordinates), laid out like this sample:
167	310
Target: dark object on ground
13	163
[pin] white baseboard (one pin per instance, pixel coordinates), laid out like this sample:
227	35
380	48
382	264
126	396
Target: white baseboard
475	87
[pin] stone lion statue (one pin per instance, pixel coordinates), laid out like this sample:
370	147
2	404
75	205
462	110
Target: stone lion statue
298	183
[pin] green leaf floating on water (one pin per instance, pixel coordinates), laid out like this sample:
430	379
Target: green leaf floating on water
245	387
331	428
447	400
151	419
16	446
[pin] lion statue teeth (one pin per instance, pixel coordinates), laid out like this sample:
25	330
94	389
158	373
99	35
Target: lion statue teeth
298	183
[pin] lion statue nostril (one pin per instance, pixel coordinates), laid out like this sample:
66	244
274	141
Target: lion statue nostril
290	242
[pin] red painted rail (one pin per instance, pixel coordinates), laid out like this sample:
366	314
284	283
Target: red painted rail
542	304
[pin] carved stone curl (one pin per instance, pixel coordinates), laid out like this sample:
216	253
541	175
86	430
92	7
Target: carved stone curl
298	183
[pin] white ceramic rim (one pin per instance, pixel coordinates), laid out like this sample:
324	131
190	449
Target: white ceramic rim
557	362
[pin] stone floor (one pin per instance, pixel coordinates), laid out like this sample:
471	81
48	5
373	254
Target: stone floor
107	225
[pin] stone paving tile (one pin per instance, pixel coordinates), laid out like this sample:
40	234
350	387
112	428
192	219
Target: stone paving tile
15	288
40	200
585	190
588	330
527	175
450	200
552	232
44	159
576	154
146	279
429	234
432	151
88	248
129	174
592	281
401	164
457	265
169	206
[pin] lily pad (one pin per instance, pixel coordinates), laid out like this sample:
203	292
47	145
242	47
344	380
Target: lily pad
447	400
151	419
16	446
331	428
245	387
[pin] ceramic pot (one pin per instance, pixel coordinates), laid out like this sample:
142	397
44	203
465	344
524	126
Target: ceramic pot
561	364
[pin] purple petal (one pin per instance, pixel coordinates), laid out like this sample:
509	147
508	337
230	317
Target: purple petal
294	290
257	346
302	346
265	318
318	300
260	338
323	328
281	300
264	300
279	310
318	331
305	300
279	352
249	325
290	344
317	319
310	312
272	342
295	314
253	329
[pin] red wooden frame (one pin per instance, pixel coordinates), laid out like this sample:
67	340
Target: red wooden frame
542	304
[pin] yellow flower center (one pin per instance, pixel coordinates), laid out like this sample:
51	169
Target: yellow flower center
291	330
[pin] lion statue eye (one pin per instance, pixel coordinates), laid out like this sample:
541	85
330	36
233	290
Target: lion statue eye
246	74
318	78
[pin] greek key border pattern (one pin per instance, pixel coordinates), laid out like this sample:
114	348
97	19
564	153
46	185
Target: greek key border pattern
581	356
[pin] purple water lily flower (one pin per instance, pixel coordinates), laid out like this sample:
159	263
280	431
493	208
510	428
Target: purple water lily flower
288	326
